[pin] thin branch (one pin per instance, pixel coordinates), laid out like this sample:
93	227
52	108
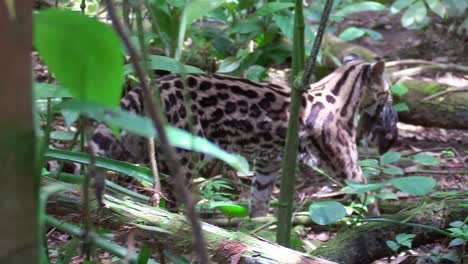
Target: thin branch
309	77
397	63
154	112
429	68
446	91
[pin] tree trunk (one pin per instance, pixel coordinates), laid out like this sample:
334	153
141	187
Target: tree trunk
162	226
366	243
18	188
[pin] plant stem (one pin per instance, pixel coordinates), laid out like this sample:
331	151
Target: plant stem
292	141
155	115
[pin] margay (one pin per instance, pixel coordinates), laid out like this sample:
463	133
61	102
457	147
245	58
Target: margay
251	119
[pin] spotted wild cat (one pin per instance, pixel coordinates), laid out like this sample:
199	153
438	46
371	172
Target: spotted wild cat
251	118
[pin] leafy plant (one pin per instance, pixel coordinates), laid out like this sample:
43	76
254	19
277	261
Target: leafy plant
215	190
416	14
401	240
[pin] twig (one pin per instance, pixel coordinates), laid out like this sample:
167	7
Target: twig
150	141
446	91
407	62
155	115
429	68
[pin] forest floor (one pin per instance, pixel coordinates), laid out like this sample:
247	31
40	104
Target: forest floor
397	43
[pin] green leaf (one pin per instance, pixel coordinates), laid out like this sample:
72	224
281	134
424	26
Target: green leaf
399	89
426	159
143	126
144	255
414	15
360	7
389	157
245	27
256	73
48	90
393	170
400	107
142	174
198	8
373	34
458	224
416	185
437	7
360	188
392	245
157	62
456	242
272	7
400	238
328	212
352	33
405	239
229	64
398	5
230	209
368	163
84	54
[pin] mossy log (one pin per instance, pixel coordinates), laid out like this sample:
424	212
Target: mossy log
172	232
366	243
433	104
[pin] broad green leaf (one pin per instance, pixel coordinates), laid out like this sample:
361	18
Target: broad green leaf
456	242
144	255
368	163
245	27
352	33
256	73
458	224
142	174
328	212
62	135
143	126
230	210
389	157
373	34
399	89
48	90
229	64
157	62
416	185
286	24
398	5
400	107
393	170
437	7
369	171
273	7
198	8
392	245
426	159
360	188
84	54
360	7
405	239
415	14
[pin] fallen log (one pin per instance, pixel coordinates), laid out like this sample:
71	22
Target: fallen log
367	243
173	232
433	104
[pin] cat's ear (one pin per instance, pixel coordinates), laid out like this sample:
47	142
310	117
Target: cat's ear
378	68
350	57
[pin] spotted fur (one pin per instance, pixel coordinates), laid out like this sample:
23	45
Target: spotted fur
251	118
